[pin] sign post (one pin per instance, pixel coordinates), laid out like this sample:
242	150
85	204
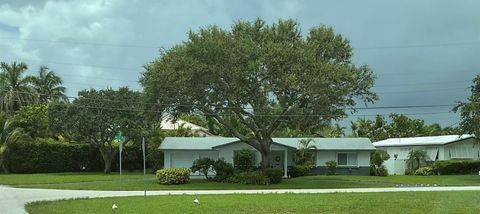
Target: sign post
120	138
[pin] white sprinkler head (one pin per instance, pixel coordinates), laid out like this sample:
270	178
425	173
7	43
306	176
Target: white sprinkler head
114	207
196	201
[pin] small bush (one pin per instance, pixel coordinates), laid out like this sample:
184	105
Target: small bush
252	177
203	165
424	171
381	171
452	167
174	176
223	171
275	175
297	171
331	167
244	160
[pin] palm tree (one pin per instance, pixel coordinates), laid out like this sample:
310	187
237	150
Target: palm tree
15	91
304	155
8	133
416	159
47	85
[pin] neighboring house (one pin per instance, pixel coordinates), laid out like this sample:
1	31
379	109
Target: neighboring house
351	154
448	147
168	124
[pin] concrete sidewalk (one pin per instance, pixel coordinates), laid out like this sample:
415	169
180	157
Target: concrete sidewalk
13	200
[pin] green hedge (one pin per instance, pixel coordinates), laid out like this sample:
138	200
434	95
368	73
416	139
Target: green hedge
252	177
452	167
174	176
48	155
275	175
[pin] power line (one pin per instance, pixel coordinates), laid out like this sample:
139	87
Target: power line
244	108
126	45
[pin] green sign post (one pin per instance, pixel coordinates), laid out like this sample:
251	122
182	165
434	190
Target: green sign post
120	138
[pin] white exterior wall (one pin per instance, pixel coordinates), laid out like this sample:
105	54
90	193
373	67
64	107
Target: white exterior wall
363	157
466	146
444	153
184	159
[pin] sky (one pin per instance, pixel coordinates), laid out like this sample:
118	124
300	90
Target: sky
423	52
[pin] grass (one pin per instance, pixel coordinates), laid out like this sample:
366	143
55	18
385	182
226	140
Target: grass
397	202
133	181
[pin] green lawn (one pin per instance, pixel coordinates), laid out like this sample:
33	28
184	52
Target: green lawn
397	202
133	181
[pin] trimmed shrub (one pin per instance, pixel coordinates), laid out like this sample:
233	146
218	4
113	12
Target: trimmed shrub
174	176
275	175
424	171
203	165
297	171
331	167
244	160
252	177
453	167
381	171
48	155
223	171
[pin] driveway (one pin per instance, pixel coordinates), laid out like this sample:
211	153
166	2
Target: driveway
13	200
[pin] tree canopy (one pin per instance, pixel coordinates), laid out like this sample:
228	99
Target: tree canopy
260	76
97	115
470	110
400	126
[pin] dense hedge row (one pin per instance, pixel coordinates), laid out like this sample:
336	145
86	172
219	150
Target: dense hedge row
174	176
451	167
47	155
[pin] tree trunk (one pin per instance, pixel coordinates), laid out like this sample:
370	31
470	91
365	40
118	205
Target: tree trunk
107	159
4	168
265	159
265	152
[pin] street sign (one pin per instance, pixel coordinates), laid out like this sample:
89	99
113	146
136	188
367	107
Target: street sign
120	138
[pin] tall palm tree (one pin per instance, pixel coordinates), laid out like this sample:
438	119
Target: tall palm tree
9	132
47	85
15	91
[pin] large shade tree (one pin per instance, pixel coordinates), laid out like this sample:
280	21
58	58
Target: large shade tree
261	76
470	110
47	85
15	90
96	116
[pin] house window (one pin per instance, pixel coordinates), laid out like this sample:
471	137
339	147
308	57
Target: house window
347	159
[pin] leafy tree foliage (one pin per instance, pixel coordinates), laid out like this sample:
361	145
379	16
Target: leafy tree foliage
15	90
47	85
203	165
33	119
400	126
256	77
97	116
470	110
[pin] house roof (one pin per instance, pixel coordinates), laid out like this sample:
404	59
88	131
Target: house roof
168	124
422	141
210	143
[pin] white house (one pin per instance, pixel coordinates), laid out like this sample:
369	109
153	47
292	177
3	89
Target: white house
448	147
351	154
